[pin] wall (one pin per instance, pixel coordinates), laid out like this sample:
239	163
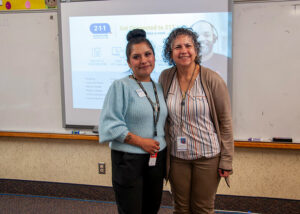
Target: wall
67	161
265	172
257	172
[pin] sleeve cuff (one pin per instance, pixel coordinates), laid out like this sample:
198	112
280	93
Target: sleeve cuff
122	137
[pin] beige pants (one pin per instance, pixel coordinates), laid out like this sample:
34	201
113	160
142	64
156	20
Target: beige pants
194	184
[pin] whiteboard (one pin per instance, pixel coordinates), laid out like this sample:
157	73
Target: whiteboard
30	89
266	70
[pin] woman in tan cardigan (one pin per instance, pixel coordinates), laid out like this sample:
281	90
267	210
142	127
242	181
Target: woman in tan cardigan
199	128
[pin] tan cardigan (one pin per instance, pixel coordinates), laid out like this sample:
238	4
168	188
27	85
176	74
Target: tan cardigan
219	104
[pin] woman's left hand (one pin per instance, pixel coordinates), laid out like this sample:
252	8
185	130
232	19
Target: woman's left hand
223	173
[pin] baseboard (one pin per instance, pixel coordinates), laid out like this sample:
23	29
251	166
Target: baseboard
65	190
104	193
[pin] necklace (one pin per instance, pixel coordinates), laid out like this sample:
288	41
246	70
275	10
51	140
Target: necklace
183	95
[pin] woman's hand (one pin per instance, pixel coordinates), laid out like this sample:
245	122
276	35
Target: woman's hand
147	144
223	173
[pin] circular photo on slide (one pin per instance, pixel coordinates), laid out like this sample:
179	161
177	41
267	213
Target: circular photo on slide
208	36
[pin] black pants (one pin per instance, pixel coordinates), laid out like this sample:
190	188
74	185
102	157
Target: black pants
137	186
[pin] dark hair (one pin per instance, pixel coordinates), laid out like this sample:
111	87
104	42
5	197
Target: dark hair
136	36
167	52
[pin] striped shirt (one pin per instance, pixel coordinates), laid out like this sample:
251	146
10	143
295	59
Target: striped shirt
196	126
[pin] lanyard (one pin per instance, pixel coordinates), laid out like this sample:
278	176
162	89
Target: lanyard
183	96
155	106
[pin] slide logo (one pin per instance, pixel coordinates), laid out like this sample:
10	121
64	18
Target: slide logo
100	28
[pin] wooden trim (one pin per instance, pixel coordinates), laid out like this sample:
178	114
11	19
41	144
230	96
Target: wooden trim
267	145
245	144
49	135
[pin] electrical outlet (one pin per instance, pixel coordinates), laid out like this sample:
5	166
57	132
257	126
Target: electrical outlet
101	168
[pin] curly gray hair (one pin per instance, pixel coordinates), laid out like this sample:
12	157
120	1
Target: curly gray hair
167	51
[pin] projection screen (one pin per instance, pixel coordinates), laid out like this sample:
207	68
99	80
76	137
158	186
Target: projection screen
93	41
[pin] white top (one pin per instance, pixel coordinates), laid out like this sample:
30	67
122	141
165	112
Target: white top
197	126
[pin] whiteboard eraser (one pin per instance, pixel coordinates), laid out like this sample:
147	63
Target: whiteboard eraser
282	139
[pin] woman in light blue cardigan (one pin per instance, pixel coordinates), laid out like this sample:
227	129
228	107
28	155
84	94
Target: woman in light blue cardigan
132	120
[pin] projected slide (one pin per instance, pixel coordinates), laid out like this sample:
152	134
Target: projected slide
98	45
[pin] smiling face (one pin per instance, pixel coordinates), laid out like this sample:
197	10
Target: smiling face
141	61
183	51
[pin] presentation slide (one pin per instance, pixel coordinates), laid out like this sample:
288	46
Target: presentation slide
97	48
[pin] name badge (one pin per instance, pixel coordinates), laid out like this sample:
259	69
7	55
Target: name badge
181	144
152	159
140	92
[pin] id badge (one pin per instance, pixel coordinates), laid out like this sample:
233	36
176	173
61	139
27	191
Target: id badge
140	92
152	159
181	144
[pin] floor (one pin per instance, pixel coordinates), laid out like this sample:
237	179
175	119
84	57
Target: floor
26	204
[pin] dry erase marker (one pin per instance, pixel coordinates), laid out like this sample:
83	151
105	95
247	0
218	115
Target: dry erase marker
254	139
78	132
259	139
